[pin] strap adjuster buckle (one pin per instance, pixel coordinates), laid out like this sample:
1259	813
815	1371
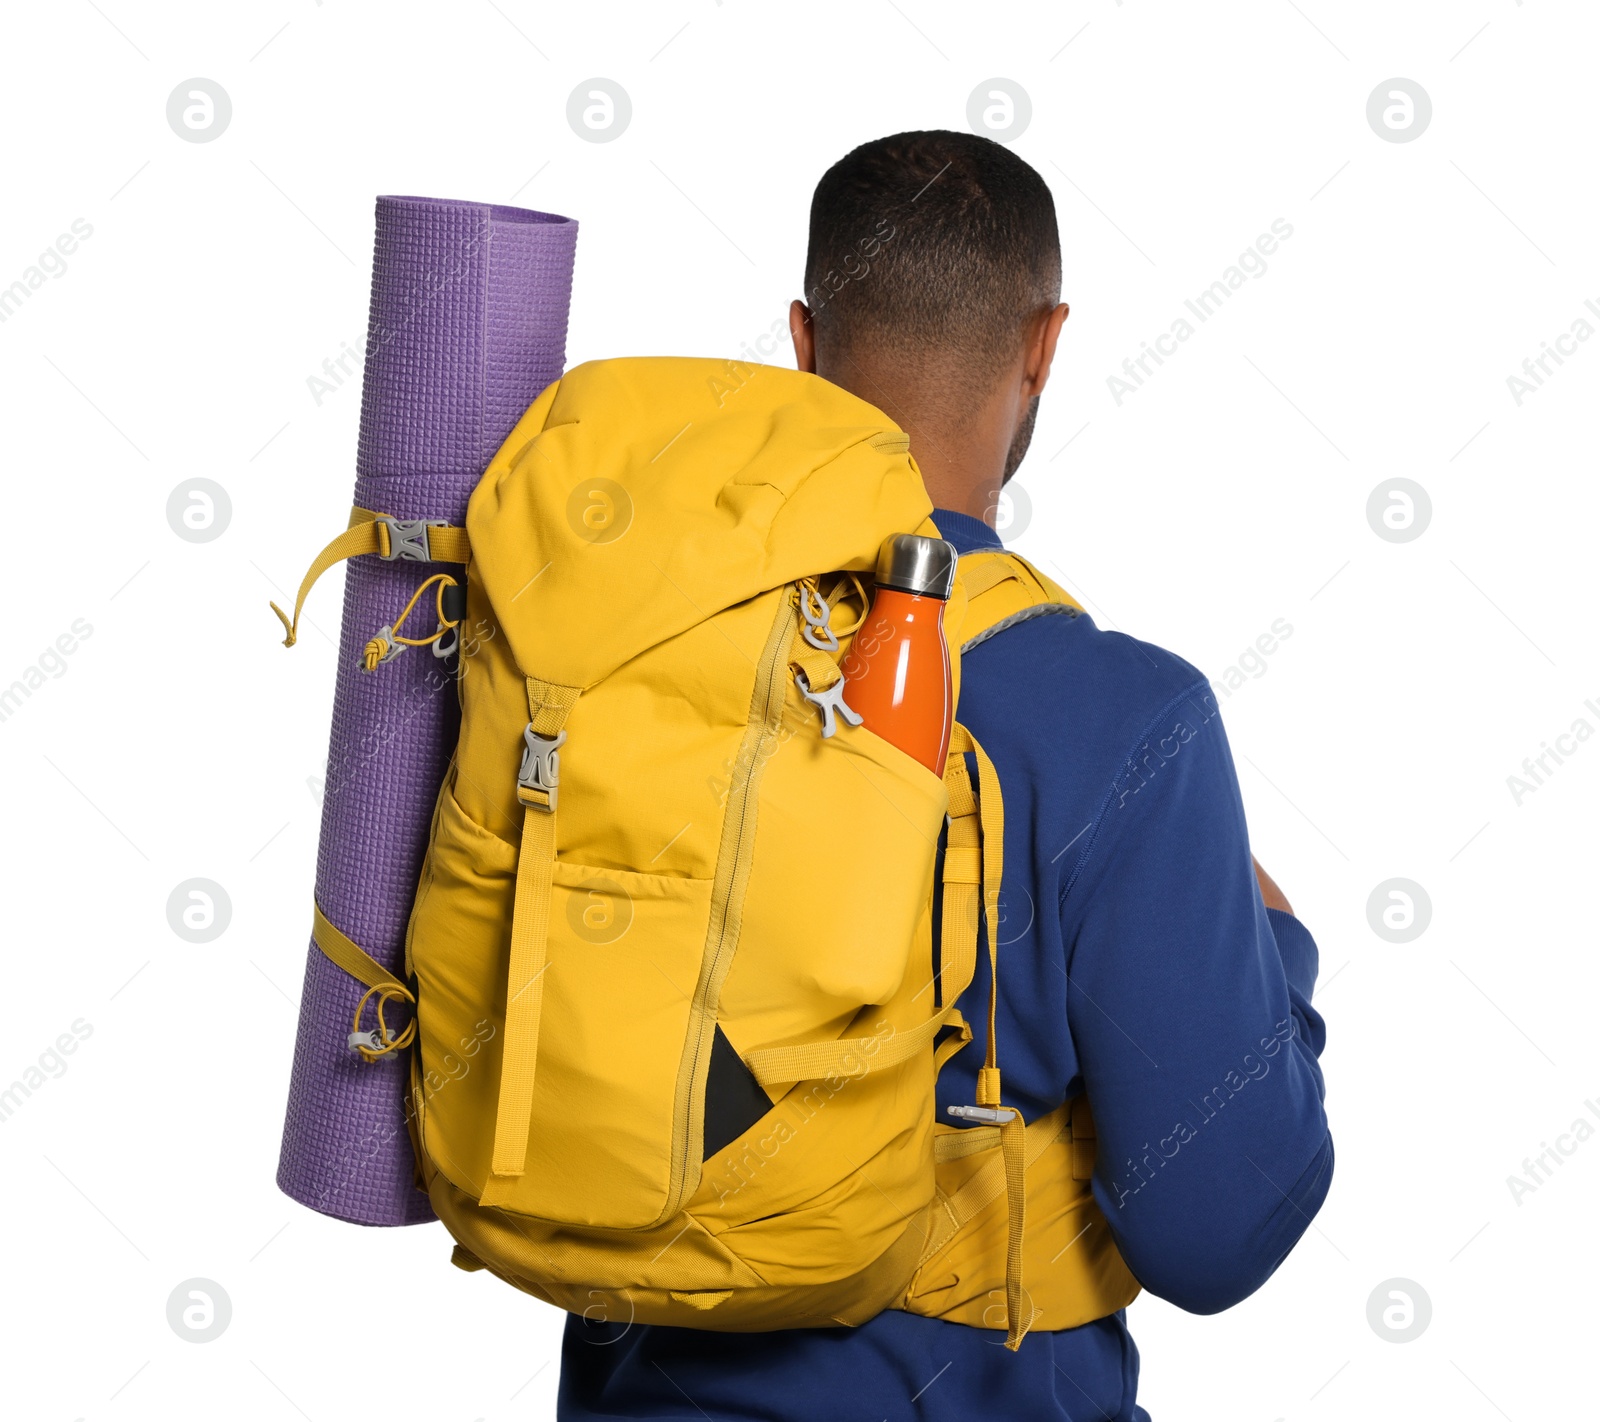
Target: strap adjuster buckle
408	538
540	775
988	1115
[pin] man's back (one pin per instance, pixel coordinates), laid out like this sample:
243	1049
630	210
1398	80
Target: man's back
1137	964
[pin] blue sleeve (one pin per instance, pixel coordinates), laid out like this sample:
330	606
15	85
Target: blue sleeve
1189	1003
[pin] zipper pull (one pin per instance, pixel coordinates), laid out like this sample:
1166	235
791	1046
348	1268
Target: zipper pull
814	608
828	701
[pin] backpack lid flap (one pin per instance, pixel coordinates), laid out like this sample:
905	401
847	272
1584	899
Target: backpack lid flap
640	496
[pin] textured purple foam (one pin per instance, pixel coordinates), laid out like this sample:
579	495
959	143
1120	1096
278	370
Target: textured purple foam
468	324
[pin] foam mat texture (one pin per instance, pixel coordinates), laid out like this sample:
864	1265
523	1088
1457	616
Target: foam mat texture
468	323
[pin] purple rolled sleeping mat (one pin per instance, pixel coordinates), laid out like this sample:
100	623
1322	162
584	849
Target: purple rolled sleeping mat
468	324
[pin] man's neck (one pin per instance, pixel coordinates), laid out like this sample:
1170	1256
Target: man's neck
960	438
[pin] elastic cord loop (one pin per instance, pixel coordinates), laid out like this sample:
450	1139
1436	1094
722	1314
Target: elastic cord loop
387	1041
384	645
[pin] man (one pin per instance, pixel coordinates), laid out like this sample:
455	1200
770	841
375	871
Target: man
1147	961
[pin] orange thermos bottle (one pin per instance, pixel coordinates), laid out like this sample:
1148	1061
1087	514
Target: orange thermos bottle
897	674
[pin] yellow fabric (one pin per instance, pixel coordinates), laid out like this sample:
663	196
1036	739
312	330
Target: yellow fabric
997	586
963	877
720	494
982	571
548	706
1049	590
366	535
701	1299
819	667
966	866
991	813
963	865
447	543
524	994
344	952
690	787
709	868
984	1182
1074	1273
729	903
809	1061
1011	1153
990	862
349	544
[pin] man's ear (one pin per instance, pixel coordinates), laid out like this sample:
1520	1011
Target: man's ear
803	335
1043	333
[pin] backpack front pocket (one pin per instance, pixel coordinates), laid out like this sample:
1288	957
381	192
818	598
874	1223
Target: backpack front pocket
623	959
843	873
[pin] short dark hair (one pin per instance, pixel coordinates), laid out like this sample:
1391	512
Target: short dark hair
936	245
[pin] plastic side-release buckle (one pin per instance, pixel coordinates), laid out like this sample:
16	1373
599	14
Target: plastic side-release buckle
989	1115
540	775
408	538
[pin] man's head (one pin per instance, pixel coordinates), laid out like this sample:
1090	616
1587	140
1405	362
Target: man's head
933	278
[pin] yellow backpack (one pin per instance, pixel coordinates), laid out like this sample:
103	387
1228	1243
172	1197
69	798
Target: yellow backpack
677	1018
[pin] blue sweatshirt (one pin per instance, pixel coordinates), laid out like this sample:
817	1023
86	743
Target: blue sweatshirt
1138	964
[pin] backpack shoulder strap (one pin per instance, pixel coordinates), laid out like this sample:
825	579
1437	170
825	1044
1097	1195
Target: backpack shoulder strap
1003	589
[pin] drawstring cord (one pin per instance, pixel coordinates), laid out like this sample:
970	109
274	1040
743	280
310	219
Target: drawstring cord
387	644
373	1045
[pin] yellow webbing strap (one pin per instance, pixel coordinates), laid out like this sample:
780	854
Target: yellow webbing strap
1012	1153
982	571
446	542
847	1056
974	1140
1020	1148
1052	590
344	953
821	670
958	930
1029	592
991	813
367	534
853	1056
548	705
380	983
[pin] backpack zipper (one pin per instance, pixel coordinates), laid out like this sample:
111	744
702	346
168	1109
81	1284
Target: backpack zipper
727	902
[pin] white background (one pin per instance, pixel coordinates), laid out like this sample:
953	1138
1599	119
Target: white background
1229	491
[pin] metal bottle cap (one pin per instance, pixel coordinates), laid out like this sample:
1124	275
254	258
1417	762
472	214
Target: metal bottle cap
924	566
